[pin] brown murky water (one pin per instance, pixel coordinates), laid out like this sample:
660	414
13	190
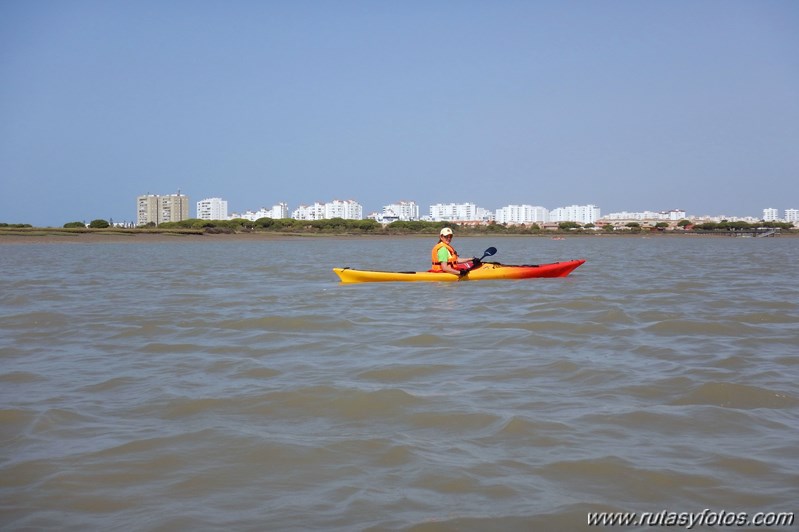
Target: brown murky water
193	385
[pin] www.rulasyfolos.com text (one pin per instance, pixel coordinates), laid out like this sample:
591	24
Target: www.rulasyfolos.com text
689	520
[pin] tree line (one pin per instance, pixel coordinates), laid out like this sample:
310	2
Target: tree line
342	226
339	226
725	225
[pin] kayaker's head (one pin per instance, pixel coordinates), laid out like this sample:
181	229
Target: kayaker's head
445	234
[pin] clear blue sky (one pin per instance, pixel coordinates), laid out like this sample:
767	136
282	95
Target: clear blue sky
629	105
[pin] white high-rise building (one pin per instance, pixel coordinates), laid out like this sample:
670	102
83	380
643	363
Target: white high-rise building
584	214
792	215
521	214
212	209
771	215
279	211
453	212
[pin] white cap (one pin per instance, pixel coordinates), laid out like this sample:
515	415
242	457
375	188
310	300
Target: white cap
445	231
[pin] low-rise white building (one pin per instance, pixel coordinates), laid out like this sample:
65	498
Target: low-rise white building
281	210
792	215
485	215
673	215
722	218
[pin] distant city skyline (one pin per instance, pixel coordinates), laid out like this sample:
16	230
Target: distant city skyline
368	212
207	208
131	216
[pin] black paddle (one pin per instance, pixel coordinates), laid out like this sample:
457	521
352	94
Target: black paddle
488	253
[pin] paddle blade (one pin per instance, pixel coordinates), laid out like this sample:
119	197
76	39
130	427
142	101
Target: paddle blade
487	253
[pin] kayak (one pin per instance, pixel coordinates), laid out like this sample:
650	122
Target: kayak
485	272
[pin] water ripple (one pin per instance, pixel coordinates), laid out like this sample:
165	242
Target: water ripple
185	390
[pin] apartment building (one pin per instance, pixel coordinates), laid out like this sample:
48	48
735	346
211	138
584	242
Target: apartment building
281	210
212	209
309	212
404	211
673	215
453	212
348	210
584	214
157	209
771	215
521	214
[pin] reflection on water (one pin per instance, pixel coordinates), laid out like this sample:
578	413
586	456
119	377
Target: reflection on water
229	384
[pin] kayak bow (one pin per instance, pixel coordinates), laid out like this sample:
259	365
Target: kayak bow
486	271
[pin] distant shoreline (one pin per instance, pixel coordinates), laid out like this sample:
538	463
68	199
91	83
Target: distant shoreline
62	236
45	236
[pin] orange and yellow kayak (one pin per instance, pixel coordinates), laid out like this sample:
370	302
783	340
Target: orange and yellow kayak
487	271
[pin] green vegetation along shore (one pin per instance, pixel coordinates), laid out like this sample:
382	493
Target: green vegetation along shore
340	226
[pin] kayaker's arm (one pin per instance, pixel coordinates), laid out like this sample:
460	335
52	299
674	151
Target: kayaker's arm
449	269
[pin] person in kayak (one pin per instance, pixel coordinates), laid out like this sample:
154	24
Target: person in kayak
445	258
